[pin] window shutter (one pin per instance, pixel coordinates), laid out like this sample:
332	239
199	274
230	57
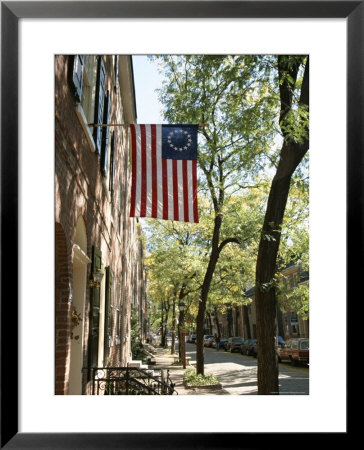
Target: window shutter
105	134
117	327
111	178
77	76
94	311
99	104
108	313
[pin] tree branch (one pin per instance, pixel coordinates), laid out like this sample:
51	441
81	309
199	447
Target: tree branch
227	241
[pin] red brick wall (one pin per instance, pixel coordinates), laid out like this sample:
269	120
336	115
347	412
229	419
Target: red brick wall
63	280
79	191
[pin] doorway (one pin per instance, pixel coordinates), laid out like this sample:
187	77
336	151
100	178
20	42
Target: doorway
80	261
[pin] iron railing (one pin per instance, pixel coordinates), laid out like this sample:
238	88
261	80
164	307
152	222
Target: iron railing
131	381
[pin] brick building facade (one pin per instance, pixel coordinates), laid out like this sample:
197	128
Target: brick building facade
99	269
240	320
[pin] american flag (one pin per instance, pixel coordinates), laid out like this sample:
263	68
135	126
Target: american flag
164	172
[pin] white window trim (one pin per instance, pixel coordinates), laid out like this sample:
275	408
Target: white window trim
82	118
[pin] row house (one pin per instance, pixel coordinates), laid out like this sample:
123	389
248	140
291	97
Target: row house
99	269
240	320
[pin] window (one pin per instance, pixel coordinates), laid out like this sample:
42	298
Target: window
99	104
84	76
77	76
88	83
105	134
94	107
88	87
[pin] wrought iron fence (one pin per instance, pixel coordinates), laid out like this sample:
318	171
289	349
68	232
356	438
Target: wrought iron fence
131	381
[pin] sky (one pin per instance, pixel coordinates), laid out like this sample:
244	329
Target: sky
147	80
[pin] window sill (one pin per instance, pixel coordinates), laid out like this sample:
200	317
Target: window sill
82	118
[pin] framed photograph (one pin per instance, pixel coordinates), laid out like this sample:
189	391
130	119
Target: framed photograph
31	34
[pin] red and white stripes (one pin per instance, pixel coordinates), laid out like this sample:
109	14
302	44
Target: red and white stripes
161	188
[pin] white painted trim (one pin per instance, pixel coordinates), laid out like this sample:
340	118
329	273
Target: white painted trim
82	118
80	254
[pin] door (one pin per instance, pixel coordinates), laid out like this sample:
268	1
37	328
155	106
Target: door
94	312
108	314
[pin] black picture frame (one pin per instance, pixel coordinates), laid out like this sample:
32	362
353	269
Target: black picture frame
11	12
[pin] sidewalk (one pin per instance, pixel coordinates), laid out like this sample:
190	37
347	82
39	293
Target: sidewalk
238	374
165	360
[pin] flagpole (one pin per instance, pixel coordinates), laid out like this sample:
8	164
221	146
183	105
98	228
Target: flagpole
201	125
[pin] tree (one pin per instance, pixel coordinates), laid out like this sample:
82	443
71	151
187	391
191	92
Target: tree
294	110
172	267
232	95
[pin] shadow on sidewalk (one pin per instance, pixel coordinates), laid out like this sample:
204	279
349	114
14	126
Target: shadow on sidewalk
164	360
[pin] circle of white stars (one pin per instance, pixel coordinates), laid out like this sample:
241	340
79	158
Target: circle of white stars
178	132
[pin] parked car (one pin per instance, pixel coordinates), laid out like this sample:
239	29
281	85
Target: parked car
246	346
207	340
295	350
233	344
222	343
254	350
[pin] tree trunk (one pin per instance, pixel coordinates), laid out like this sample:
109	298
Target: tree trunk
173	325
210	323
179	339
246	321
217	324
214	255
265	289
162	324
230	321
265	298
165	331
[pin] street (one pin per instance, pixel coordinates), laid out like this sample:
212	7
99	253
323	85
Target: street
238	373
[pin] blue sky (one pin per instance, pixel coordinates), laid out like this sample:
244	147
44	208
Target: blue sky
147	80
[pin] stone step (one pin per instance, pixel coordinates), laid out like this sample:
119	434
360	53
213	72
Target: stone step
138	364
135	363
161	360
168	360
